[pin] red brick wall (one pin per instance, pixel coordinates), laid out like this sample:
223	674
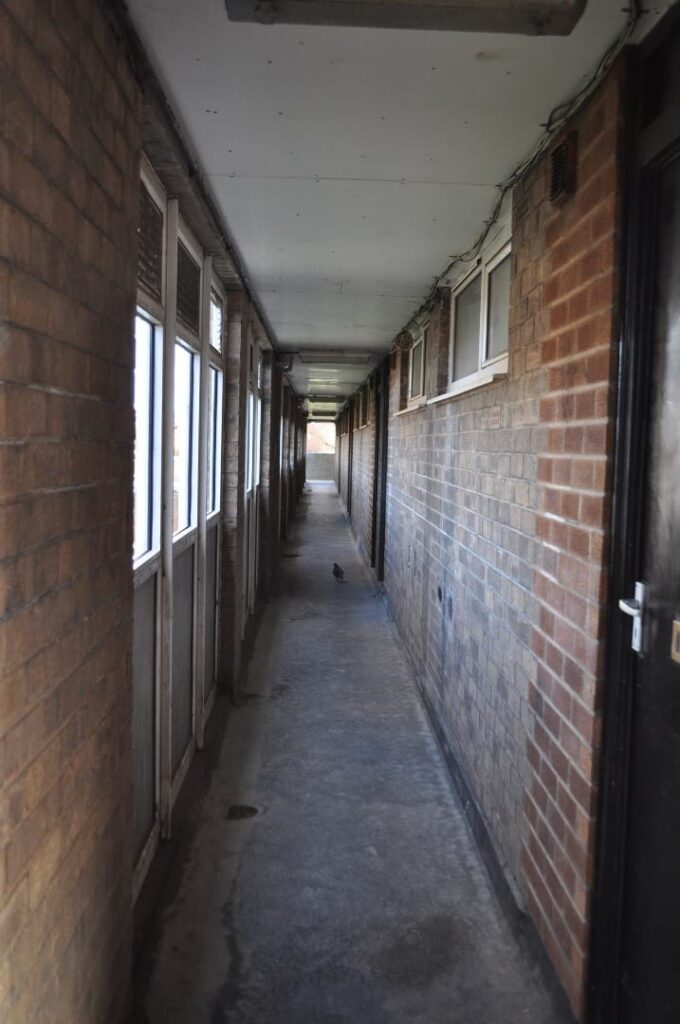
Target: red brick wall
569	292
69	151
496	540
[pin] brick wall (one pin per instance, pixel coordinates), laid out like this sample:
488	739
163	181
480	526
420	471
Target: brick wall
497	507
69	151
569	302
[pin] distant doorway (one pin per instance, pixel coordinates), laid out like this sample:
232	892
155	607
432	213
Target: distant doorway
320	463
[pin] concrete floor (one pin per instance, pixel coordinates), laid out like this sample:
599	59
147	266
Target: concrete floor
357	895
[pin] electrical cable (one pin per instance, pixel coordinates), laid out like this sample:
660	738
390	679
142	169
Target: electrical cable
557	119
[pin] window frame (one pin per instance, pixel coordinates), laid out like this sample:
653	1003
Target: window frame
182	332
214	466
486	367
194	454
216	359
419	342
214	291
145	301
489	267
154	496
150	309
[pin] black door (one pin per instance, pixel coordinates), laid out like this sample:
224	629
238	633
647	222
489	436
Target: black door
380	469
650	942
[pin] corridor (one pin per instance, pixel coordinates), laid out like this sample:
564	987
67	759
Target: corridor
356	894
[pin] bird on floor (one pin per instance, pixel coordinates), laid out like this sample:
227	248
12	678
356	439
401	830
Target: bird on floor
338	573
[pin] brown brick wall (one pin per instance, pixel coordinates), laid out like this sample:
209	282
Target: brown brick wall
496	540
69	152
571	298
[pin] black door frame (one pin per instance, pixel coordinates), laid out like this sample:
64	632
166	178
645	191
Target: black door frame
378	514
350	453
626	533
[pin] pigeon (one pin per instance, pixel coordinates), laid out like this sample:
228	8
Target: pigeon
338	573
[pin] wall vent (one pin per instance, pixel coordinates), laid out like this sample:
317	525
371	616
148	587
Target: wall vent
188	290
563	170
150	247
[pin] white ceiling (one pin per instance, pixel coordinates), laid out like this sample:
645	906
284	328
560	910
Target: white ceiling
350	164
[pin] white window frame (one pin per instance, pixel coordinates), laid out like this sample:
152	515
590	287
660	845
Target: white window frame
149	565
194	456
419	341
156	427
487	369
146	302
191	245
215	290
216	361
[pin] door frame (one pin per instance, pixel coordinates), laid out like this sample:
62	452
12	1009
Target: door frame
380	478
632	424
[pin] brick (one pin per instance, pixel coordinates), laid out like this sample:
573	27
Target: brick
64	529
457	494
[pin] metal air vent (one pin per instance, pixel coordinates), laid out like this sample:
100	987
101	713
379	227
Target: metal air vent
150	245
563	170
188	290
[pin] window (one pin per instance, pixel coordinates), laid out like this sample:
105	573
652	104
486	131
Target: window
468	304
185	439
480	309
214	440
147	439
253	419
498	308
150	245
216	320
188	290
417	367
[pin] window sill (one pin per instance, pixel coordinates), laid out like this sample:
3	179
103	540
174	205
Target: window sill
183	540
489	375
414	405
145	566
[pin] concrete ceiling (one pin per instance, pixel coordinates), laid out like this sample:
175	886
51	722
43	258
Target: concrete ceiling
350	164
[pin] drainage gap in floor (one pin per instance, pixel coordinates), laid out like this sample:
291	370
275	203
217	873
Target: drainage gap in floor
238	811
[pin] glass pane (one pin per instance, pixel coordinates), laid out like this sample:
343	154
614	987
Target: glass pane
499	309
216	319
256	440
214	438
143	459
466	334
183	439
417	369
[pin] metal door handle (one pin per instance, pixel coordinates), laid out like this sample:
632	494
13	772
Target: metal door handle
635	606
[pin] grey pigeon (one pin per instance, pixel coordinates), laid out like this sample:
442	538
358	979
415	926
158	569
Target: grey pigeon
338	573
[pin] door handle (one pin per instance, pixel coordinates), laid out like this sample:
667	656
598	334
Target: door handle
635	606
